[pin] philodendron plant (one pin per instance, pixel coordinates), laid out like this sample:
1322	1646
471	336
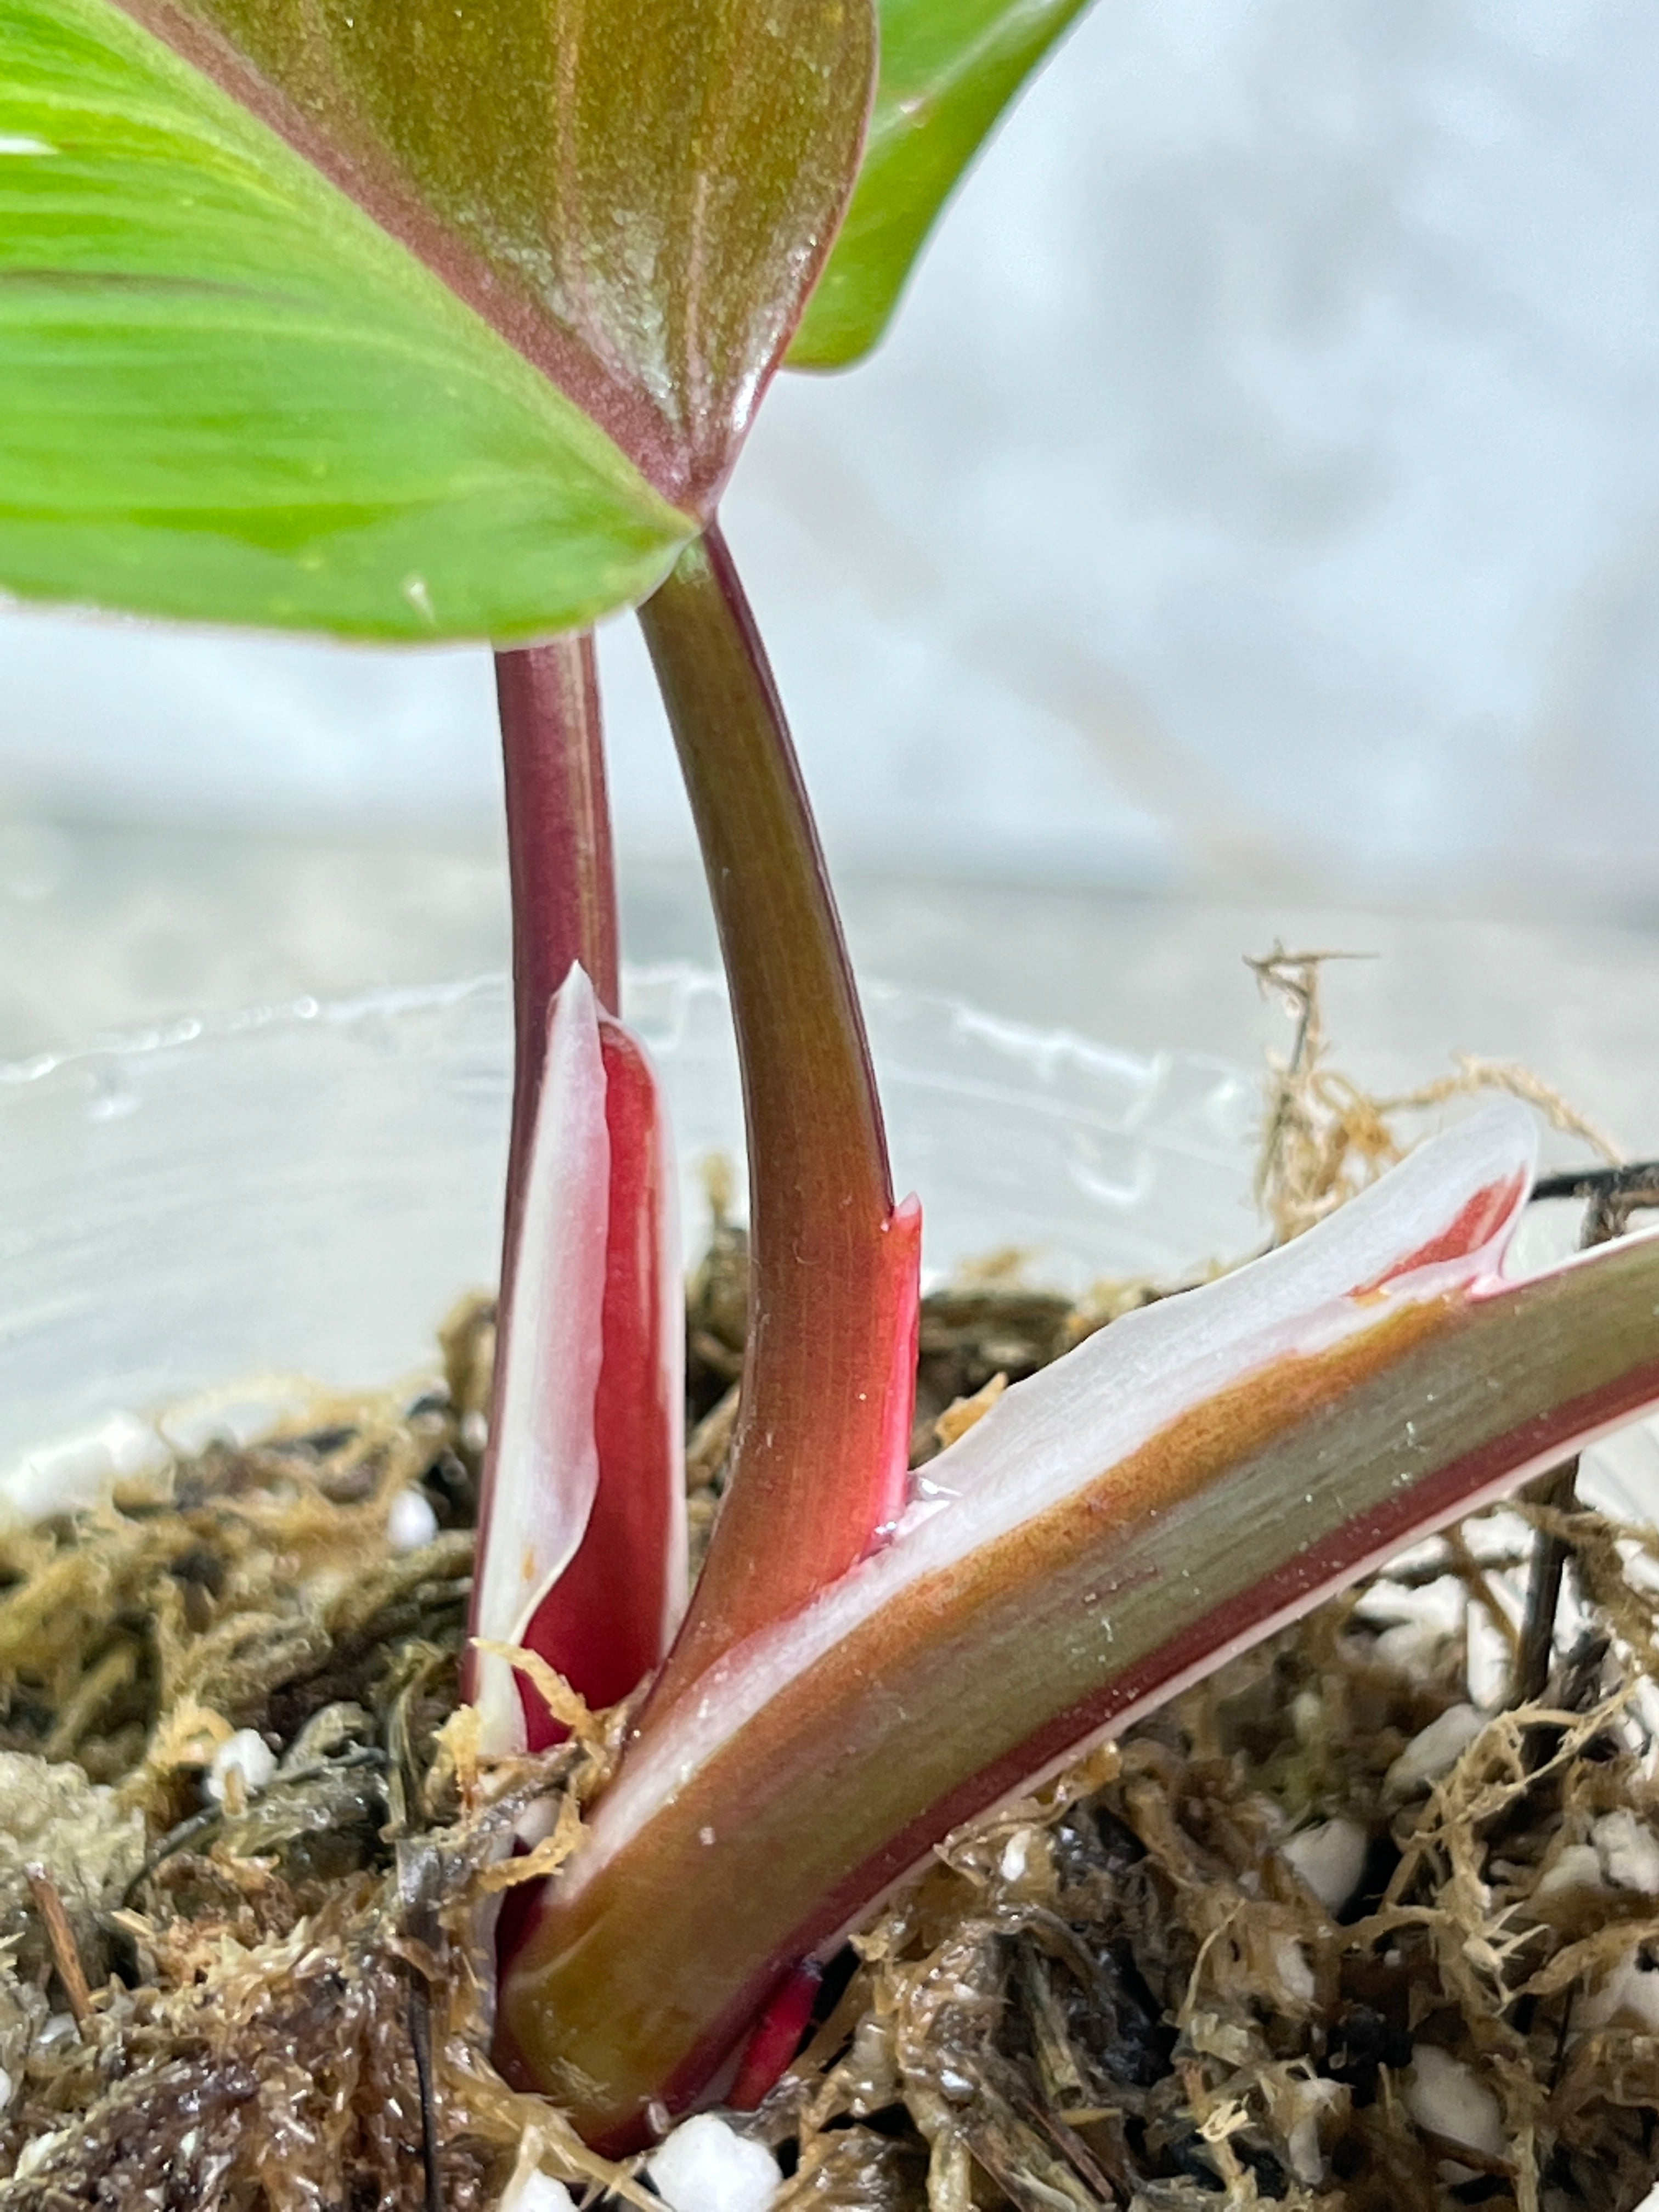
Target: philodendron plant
432	319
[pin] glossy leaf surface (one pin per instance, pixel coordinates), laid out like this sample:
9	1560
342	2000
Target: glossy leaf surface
949	68
226	394
1185	1480
638	193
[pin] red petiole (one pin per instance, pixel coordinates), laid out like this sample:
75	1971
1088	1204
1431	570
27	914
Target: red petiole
819	1459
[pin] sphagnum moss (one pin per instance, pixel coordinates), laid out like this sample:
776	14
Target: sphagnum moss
1273	1948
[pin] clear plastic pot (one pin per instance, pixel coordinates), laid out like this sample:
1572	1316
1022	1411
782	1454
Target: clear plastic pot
308	1188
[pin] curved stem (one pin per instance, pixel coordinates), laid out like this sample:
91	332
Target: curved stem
819	1457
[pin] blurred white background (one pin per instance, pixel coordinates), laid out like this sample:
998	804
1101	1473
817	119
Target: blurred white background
1257	503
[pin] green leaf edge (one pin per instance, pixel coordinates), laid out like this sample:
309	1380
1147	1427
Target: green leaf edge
196	561
919	150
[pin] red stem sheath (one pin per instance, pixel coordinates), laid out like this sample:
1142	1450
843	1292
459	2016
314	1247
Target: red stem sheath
777	2037
603	1623
562	876
819	1457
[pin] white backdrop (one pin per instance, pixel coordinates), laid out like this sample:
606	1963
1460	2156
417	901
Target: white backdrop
1263	483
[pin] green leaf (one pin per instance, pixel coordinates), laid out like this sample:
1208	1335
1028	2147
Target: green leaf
638	194
948	70
227	395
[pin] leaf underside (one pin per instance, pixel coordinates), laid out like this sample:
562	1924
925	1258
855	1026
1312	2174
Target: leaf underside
225	395
949	70
639	193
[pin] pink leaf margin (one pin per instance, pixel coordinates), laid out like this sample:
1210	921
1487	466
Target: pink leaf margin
1439	1223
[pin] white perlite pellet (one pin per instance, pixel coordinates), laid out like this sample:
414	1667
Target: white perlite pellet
533	2190
1444	2097
243	1765
1628	1851
77	1470
1629	1990
1433	1752
706	2165
1295	1975
1330	1858
410	1522
1578	1865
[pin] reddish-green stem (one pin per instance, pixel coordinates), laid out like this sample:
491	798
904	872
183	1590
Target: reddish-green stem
818	1460
558	843
564	903
834	1759
560	864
